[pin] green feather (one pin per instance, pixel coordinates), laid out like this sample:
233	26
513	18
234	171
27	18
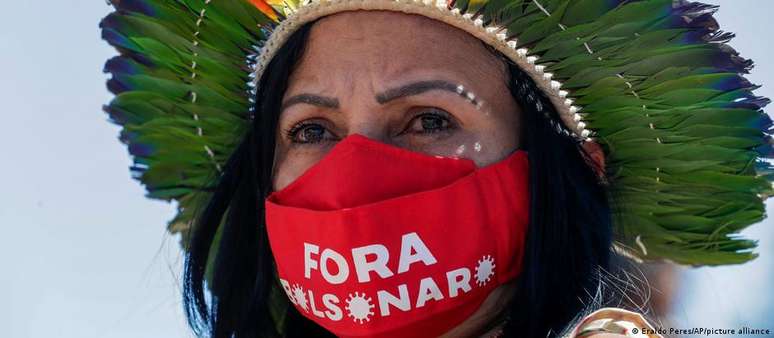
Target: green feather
680	125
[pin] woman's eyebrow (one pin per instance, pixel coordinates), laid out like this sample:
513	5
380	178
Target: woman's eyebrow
414	88
315	100
419	87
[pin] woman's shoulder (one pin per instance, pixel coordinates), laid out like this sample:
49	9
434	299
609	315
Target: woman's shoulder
613	322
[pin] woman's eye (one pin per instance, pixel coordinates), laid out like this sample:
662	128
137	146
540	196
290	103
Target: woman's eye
308	133
429	122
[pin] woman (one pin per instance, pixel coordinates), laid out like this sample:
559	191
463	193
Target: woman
425	169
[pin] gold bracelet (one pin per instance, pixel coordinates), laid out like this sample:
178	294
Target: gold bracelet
614	320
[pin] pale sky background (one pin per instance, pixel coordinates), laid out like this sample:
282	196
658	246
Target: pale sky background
82	252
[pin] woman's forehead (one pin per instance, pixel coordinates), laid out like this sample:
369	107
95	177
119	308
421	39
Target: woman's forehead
394	45
361	24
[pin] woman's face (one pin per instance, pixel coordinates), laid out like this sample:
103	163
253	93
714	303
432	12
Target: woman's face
426	87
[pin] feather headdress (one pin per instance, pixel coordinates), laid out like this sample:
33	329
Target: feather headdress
652	81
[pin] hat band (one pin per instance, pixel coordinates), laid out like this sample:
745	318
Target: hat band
493	35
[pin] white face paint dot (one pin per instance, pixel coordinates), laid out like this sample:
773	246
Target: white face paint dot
477	147
300	296
359	307
485	270
460	150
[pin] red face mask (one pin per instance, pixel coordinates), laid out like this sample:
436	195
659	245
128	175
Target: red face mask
379	241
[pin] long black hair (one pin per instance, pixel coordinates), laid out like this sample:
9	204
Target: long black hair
568	241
